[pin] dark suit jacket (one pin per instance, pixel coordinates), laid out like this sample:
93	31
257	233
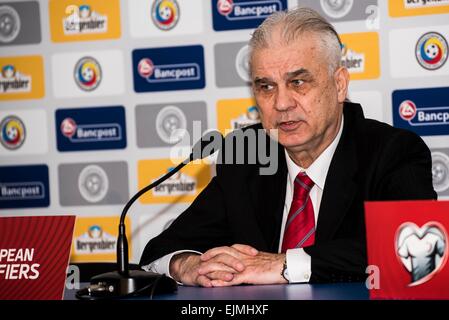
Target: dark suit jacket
373	161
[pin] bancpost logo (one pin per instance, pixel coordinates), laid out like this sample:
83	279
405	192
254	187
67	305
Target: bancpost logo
91	128
424	111
360	55
174	68
243	14
236	114
24	186
184	186
440	171
84	20
431	50
95	239
165	14
21	78
403	8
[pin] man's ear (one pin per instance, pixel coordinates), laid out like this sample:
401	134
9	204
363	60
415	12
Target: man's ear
341	77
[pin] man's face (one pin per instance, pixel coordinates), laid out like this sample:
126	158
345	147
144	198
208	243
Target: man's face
296	93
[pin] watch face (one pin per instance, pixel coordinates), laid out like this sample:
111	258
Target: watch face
285	271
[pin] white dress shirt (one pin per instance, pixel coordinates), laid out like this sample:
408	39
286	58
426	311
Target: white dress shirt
298	262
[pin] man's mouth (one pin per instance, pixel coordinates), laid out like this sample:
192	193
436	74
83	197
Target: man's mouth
289	125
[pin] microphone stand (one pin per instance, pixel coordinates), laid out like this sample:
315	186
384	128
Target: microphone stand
125	282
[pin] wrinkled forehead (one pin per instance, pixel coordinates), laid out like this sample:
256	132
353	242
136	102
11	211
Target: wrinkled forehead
282	57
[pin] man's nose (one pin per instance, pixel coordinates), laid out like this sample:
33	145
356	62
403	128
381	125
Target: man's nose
284	101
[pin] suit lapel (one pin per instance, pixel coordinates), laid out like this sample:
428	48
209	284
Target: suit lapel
268	196
340	188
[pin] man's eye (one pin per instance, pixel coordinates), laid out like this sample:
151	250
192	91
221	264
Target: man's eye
297	82
266	86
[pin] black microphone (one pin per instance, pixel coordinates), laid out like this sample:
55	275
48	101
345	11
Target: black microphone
125	282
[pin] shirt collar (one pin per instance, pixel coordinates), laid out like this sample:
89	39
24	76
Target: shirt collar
317	171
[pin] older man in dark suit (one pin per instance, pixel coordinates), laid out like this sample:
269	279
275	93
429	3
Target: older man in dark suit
305	222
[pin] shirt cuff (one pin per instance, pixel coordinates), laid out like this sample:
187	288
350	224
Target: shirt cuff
299	265
162	265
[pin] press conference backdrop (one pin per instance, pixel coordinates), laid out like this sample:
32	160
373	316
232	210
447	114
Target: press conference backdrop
91	90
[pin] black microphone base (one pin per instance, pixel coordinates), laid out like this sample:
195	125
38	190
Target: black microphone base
136	283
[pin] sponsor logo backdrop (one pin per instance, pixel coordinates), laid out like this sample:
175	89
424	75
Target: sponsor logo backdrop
91	90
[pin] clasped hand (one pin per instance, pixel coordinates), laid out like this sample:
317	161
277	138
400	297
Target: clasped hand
228	266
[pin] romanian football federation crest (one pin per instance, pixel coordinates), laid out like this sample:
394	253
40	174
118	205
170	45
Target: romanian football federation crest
87	73
12	132
431	51
165	14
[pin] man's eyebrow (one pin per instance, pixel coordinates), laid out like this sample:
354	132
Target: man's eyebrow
258	80
299	72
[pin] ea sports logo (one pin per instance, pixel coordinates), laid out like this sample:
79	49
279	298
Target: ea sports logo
407	110
431	51
336	8
93	183
165	14
68	127
145	68
225	7
87	73
9	24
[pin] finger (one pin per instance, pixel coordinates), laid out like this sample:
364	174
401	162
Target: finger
209	254
220	275
221	283
208	267
227	260
245	249
204	281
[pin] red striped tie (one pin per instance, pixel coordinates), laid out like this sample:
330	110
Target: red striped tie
300	227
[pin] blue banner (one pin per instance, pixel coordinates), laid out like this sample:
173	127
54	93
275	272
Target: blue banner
91	128
24	186
171	68
243	14
424	111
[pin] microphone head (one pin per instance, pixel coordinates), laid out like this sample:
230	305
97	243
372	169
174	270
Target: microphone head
209	143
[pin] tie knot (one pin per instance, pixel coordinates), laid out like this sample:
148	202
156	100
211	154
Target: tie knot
303	183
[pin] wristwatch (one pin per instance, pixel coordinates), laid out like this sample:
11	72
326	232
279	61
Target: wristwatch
284	272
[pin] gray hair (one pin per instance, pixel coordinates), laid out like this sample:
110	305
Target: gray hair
293	23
